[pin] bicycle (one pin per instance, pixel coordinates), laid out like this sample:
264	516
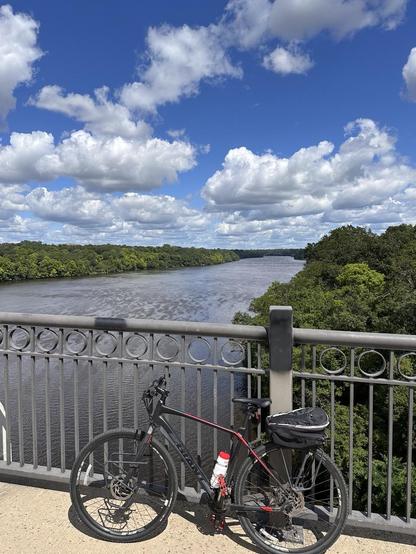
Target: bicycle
288	494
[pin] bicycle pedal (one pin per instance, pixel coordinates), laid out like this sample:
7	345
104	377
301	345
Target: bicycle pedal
218	522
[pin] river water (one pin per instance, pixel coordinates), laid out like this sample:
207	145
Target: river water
213	293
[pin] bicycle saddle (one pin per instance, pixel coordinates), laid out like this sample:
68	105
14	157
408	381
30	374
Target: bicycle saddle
259	402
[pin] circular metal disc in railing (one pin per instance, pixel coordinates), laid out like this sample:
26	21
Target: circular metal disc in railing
376	373
333	349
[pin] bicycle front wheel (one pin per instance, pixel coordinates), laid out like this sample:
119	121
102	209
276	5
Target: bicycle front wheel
121	496
302	506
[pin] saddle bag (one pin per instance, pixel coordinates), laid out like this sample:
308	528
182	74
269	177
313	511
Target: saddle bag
302	428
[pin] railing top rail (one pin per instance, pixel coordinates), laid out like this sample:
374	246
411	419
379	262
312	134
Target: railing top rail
249	332
354	339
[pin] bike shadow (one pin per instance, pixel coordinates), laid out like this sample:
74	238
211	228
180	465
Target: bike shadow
196	514
199	515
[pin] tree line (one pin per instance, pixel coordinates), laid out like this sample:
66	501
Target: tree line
356	280
35	260
297	253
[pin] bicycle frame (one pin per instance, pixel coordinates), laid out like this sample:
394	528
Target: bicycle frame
158	421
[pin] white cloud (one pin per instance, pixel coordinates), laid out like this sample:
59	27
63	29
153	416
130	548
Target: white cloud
101	116
253	21
287	60
178	59
158	212
409	75
68	205
18	52
109	216
12	200
359	182
96	162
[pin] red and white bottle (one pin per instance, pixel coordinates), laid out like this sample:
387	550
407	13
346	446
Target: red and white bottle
220	468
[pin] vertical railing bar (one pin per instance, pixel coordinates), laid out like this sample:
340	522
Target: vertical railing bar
76	406
313	380
351	436
105	424
135	395
61	400
232	384
183	402
7	446
215	399
409	457
90	406
258	393
215	411
390	438
34	412
20	411
332	451
302	381
183	375
249	367
120	406
62	412
198	413
48	415
90	350
370	450
120	395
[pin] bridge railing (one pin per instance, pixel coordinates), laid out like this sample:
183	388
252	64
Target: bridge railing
64	379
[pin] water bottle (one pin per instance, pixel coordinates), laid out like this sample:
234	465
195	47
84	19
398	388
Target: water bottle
220	468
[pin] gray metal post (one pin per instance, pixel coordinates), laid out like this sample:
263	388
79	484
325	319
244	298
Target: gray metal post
280	350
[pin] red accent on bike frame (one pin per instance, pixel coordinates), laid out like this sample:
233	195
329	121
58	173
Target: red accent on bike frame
239	436
266	509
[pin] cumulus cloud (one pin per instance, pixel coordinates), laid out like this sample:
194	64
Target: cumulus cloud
18	52
106	214
68	205
179	58
287	60
409	75
101	116
359	182
99	163
158	211
253	21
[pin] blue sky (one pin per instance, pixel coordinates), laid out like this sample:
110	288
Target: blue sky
251	123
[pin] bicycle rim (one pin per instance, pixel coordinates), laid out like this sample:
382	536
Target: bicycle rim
110	506
307	512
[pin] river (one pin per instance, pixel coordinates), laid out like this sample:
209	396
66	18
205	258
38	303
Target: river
212	293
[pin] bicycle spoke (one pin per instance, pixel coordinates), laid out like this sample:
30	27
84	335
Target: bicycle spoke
125	495
300	513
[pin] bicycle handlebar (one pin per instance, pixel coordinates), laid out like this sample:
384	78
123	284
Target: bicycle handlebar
157	387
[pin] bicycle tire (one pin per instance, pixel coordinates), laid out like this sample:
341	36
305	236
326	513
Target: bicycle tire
253	528
86	454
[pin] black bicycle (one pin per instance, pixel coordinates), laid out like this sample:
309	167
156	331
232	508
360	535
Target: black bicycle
287	493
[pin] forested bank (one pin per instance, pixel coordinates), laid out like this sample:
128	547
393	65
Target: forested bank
355	280
297	253
35	260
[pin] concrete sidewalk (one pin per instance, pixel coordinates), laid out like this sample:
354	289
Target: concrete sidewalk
41	521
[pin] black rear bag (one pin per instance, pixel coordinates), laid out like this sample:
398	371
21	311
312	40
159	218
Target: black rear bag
302	428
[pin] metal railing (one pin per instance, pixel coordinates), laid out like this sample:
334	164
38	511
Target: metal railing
64	379
366	383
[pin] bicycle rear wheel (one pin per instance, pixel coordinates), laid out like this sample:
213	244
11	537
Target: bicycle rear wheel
305	513
112	508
